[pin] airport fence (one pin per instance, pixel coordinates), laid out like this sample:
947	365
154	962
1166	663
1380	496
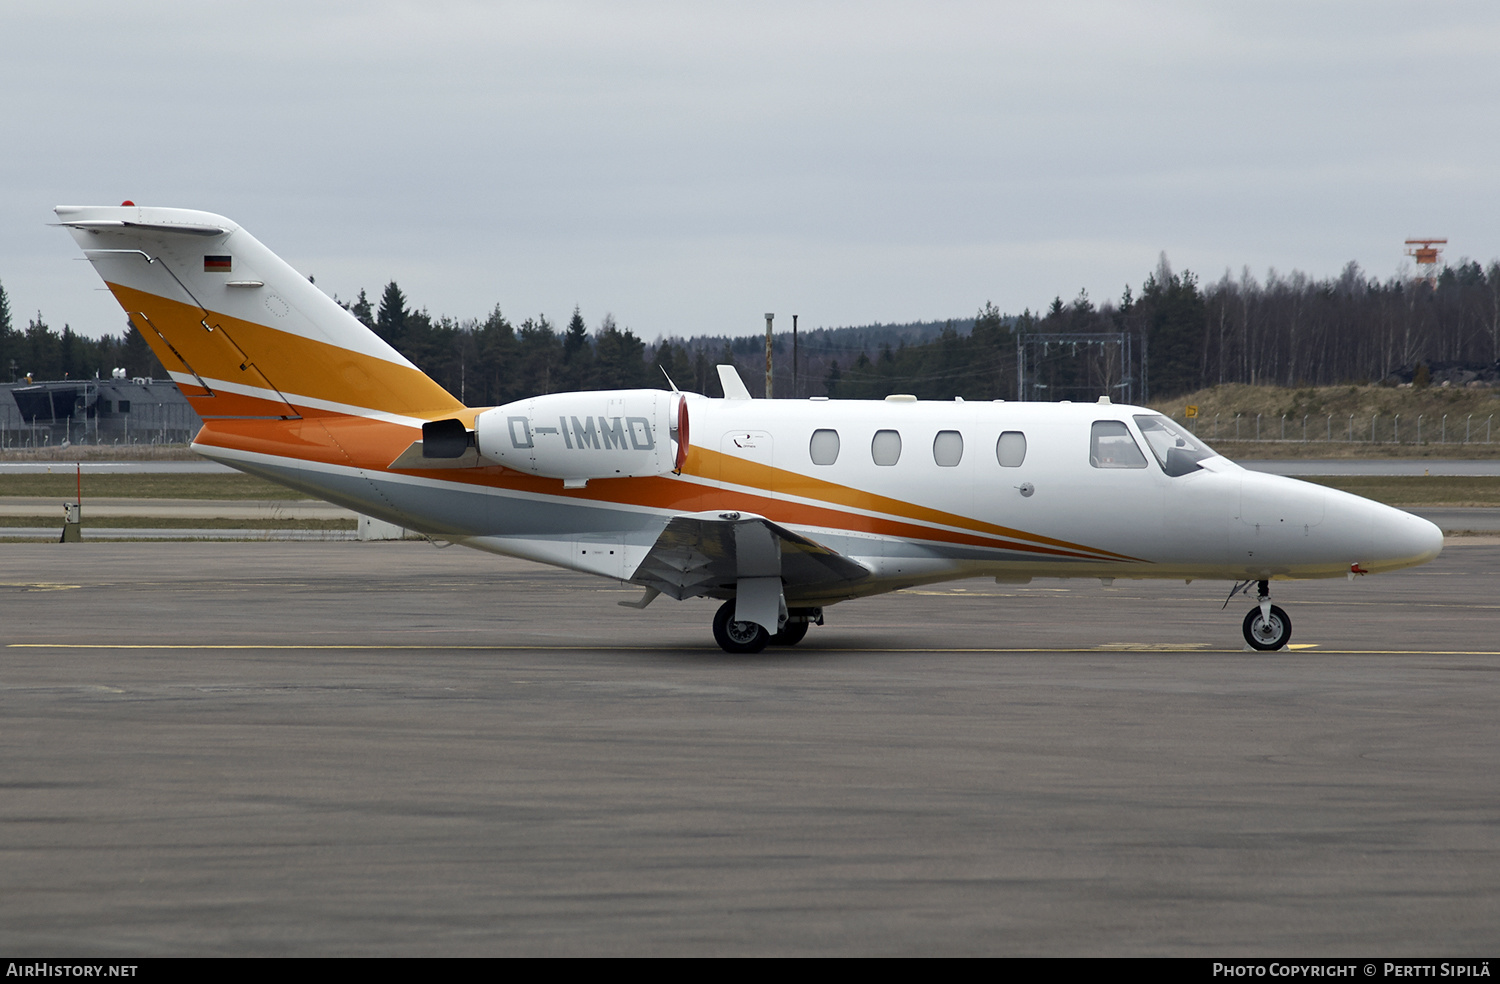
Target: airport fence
51	413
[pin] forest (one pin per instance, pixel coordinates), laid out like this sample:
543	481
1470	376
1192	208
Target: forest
1175	335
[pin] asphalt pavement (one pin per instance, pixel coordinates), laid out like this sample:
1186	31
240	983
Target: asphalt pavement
390	749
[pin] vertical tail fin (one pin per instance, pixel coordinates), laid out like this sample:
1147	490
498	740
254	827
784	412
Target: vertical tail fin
240	331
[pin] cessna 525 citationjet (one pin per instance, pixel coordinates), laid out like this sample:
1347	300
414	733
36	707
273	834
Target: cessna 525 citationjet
778	507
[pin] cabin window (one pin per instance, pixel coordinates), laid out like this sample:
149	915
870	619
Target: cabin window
124	406
824	447
948	448
1011	449
886	448
1113	447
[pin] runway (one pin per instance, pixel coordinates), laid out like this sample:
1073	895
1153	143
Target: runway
386	748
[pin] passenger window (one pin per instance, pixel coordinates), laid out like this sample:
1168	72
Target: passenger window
1113	447
948	448
886	448
1011	449
824	447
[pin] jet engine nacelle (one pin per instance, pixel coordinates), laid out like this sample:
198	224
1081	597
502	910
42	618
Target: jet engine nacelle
579	436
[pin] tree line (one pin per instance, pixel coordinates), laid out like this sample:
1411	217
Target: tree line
42	352
1288	330
1184	335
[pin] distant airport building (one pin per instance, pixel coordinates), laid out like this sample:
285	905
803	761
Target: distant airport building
95	411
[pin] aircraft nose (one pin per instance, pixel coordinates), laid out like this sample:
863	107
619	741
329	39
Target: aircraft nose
1404	540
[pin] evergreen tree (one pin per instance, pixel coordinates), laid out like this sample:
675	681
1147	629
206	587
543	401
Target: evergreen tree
539	353
577	371
361	310
67	354
390	320
41	350
136	357
10	354
620	357
492	379
703	373
671	362
1175	318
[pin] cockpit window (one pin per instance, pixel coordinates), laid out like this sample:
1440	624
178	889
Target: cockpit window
1175	447
1113	447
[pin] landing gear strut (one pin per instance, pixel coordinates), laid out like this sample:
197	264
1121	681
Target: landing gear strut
1267	627
798	621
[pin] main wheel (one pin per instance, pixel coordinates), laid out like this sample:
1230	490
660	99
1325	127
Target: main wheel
738	637
791	633
1267	634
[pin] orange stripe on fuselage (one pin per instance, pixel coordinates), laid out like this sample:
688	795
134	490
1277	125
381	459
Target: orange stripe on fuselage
738	471
294	364
224	404
340	439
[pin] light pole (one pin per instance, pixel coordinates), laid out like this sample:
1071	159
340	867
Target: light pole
796	390
769	316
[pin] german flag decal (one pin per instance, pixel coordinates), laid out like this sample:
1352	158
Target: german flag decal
217	264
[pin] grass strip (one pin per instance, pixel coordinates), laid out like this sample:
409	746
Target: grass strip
180	523
1418	490
63	483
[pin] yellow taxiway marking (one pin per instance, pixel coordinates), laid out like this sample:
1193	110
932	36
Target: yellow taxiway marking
1130	647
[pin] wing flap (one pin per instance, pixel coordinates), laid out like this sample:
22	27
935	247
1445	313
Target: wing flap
706	554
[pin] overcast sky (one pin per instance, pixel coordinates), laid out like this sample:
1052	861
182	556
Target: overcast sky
690	166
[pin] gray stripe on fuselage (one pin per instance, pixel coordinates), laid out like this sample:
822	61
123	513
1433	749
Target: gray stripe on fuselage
444	509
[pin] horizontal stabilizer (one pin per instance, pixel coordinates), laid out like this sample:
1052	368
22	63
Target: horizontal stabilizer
185	228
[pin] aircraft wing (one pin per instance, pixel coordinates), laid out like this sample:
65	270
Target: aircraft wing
699	554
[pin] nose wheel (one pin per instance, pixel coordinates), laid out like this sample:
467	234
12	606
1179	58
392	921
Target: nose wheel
1267	627
1268	632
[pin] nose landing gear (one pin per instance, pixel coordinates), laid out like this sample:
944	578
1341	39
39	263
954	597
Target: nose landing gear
1267	627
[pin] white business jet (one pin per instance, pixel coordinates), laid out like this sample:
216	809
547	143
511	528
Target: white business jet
779	508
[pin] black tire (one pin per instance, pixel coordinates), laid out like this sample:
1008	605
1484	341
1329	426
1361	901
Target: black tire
1267	635
791	633
738	637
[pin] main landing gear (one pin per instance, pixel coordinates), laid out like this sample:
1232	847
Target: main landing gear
1267	627
751	637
